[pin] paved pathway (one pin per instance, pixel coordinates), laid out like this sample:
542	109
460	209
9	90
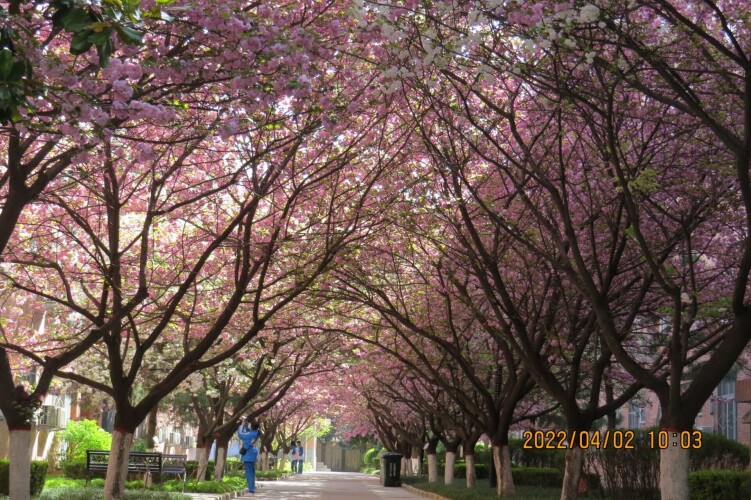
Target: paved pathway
325	485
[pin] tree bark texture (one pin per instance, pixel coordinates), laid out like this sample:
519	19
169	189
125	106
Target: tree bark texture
117	469
20	464
674	471
502	462
448	473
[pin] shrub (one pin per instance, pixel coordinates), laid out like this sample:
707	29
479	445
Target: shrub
718	484
372	458
537	476
539	458
483	452
268	475
85	435
627	473
482	471
719	453
38	475
191	467
233	467
139	446
93	493
74	469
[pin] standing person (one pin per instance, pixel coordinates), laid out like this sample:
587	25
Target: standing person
249	451
292	456
300	457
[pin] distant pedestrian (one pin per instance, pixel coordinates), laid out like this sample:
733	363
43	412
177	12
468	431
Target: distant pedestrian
249	434
292	456
300	457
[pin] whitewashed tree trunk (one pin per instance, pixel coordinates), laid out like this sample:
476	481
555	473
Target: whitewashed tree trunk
571	473
415	465
20	464
117	468
202	456
674	471
432	468
471	473
448	473
221	460
405	467
502	462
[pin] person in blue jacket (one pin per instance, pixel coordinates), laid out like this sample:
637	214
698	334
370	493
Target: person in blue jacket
300	457
249	435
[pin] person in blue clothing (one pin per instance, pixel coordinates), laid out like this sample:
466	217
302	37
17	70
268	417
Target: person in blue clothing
249	435
300	457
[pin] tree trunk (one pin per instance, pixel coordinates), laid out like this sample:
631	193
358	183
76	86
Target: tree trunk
432	468
20	463
117	468
202	456
471	474
221	460
572	472
151	428
405	470
415	460
674	471
502	462
448	473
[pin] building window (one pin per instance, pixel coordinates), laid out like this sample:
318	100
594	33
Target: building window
636	417
727	410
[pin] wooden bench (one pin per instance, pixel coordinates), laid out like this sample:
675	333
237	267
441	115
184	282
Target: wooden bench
139	463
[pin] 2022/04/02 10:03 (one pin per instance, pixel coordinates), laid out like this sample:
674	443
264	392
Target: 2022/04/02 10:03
611	438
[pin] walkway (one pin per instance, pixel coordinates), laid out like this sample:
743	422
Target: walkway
325	485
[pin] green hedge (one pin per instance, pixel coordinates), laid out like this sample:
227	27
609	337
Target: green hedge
482	471
192	467
74	469
537	458
719	453
718	484
38	476
537	476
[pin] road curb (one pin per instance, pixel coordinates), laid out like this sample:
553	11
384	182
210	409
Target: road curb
426	494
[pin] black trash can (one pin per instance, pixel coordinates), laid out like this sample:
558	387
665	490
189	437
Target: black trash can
391	466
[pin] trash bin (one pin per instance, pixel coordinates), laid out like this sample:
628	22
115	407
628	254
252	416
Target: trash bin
391	466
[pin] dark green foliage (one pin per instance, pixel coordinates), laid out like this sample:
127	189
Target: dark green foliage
371	459
96	493
719	484
482	471
74	469
629	473
537	476
192	467
546	458
38	475
719	453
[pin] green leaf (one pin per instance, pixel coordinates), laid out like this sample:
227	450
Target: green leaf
129	36
76	20
100	38
105	51
17	71
80	43
6	63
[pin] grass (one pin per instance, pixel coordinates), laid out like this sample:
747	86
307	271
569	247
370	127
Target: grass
459	491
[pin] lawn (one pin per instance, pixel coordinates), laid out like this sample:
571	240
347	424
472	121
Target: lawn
459	491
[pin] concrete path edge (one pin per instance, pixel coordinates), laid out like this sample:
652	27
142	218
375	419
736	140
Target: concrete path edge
426	494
